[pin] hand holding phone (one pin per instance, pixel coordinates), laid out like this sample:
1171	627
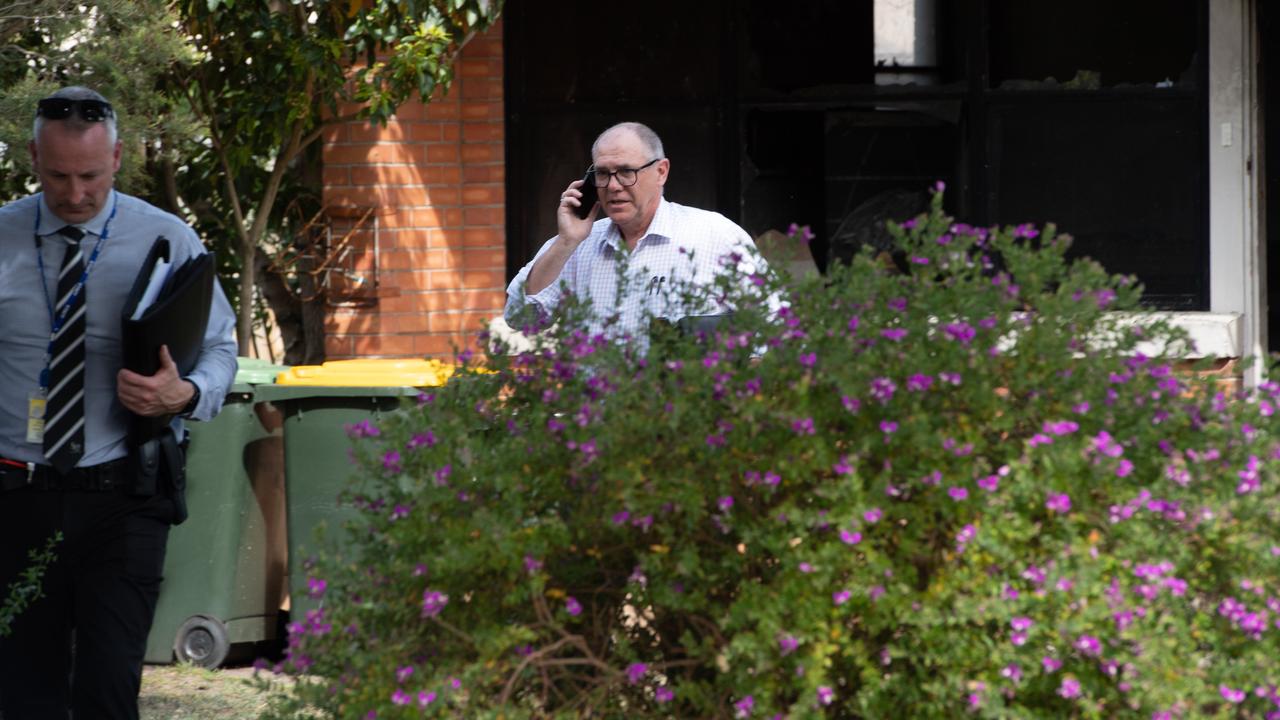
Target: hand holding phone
589	195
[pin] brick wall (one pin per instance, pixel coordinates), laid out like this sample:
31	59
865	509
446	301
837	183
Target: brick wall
435	175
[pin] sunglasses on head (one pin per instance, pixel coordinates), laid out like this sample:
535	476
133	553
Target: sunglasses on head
55	108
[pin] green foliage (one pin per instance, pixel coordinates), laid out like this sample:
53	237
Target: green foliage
969	488
118	47
26	589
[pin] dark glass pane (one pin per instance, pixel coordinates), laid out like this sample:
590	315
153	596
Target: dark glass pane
880	165
1130	42
595	52
782	173
807	44
1123	177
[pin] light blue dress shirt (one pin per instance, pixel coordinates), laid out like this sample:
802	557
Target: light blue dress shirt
25	318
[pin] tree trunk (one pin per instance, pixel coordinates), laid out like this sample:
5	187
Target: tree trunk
244	326
299	313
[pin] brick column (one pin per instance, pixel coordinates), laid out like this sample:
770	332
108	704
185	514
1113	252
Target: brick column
435	173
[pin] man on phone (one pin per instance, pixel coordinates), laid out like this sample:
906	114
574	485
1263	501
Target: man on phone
662	243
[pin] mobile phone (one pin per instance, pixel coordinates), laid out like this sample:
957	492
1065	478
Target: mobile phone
589	195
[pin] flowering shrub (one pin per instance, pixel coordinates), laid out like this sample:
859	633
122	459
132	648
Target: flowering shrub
969	488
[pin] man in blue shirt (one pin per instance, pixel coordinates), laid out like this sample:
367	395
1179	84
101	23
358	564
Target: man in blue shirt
68	258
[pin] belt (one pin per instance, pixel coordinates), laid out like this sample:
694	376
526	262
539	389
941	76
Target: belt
15	474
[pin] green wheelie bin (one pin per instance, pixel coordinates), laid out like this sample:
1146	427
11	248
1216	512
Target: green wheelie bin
225	568
318	403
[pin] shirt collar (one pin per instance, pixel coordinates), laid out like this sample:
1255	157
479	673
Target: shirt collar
51	223
660	228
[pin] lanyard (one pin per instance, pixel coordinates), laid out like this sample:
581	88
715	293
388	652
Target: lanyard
58	319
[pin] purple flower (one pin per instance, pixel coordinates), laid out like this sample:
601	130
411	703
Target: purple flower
962	333
1051	665
316	588
850	538
841	597
1013	671
825	695
1062	427
800	232
1123	468
809	359
1231	695
433	601
919	382
888	427
882	389
425	698
572	606
1088	645
532	564
873	515
990	483
958	493
400	697
403	673
363	429
1070	688
787	644
744	707
426	439
894	334
1059	502
621	517
663	695
725	503
803	426
842	467
636	672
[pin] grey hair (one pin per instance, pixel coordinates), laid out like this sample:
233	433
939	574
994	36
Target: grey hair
647	137
76	92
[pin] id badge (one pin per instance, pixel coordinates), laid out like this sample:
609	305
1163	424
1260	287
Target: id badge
36	403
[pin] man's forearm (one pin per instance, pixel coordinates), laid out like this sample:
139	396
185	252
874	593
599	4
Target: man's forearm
546	269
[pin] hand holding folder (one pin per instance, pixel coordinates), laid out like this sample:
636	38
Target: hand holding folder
168	305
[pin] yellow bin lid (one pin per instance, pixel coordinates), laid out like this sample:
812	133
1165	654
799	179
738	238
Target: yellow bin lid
370	372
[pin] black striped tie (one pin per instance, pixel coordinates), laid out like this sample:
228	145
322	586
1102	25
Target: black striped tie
64	413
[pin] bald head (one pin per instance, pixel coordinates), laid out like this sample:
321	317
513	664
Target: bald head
647	137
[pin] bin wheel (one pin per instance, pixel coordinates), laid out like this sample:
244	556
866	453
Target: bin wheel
202	641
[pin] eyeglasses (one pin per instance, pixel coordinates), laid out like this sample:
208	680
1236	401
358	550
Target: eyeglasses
626	176
56	108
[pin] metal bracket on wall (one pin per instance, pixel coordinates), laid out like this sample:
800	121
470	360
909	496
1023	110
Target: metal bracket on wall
348	273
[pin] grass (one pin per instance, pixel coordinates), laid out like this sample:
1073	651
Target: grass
187	692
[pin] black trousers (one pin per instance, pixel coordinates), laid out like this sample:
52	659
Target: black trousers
103	585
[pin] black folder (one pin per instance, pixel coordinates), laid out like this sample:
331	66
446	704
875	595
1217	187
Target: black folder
178	317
